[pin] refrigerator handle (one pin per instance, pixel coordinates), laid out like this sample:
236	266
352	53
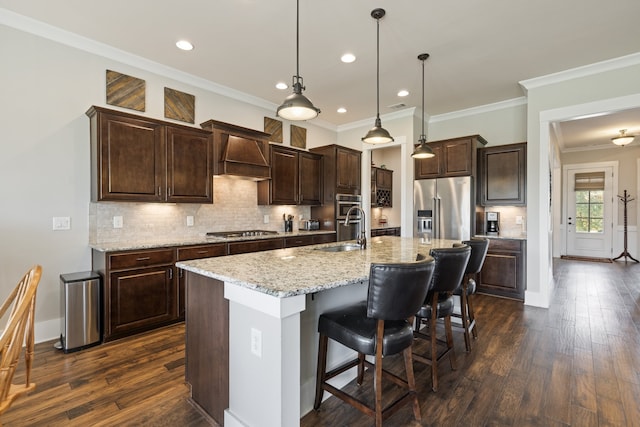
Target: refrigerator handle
436	217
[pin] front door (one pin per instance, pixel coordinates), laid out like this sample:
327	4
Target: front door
589	210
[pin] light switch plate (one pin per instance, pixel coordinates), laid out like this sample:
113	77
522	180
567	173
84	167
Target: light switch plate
117	221
266	219
189	220
61	223
519	219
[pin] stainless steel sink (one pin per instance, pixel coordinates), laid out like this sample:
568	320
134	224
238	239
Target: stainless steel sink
340	248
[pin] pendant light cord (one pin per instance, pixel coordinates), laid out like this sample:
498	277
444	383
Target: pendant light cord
297	40
423	137
378	70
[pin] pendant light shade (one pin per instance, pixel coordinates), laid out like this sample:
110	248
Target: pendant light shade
297	106
422	151
377	134
623	139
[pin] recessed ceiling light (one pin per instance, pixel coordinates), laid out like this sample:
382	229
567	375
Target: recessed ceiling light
342	110
184	45
403	92
281	85
348	58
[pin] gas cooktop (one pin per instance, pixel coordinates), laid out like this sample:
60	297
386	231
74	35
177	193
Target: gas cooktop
243	233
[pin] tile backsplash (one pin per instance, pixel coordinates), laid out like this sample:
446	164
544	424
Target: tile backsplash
234	207
508	219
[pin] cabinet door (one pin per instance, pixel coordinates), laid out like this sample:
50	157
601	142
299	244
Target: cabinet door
503	175
284	176
310	173
347	170
457	157
189	165
141	299
131	159
431	167
384	178
503	271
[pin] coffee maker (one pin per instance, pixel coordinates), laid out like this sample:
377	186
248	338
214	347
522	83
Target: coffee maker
492	221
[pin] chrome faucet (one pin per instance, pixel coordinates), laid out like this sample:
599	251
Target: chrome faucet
362	237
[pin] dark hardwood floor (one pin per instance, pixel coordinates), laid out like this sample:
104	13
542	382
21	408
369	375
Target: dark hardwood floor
575	364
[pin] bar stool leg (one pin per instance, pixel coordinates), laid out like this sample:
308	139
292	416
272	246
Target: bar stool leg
321	370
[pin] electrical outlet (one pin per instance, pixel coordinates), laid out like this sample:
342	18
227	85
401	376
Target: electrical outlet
518	219
61	223
117	221
266	219
256	342
189	220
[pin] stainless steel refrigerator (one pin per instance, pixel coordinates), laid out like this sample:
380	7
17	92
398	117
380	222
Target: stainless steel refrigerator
444	208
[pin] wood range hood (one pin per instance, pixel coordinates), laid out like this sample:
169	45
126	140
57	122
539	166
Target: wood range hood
239	152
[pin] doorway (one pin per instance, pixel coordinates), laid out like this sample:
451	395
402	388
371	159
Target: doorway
588	201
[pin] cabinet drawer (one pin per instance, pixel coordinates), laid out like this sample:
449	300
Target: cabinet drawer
255	246
290	242
203	251
505	245
323	238
138	259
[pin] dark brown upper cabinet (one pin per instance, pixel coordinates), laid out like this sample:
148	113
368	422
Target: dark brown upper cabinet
503	175
135	158
381	187
295	178
341	171
453	157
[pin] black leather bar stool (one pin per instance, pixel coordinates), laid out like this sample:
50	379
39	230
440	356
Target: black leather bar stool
450	264
467	288
379	326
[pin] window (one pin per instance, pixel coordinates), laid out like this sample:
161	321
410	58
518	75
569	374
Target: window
589	191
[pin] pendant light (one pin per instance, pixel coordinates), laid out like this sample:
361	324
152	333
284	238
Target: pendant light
623	139
297	106
377	134
422	151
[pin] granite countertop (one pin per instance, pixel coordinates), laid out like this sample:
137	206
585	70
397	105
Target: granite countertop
192	240
303	270
505	235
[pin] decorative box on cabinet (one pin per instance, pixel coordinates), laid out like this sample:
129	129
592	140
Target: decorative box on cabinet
502	174
295	178
139	290
135	158
503	272
453	157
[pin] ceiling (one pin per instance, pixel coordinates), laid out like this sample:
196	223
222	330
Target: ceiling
479	50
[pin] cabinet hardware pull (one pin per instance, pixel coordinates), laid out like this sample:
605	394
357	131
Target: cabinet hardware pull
159	191
180	273
144	258
170	273
202	252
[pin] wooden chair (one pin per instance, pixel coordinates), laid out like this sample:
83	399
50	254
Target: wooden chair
20	307
450	264
379	327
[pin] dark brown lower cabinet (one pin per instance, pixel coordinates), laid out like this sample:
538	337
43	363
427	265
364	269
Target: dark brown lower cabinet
503	272
185	253
139	290
387	231
207	345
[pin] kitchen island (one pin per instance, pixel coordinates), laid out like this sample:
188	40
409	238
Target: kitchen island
252	325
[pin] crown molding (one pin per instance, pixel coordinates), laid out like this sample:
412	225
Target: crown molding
509	103
583	71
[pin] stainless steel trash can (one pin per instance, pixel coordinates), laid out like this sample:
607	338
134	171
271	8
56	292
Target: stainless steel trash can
81	304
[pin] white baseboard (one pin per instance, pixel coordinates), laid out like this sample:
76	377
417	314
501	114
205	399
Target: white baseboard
47	330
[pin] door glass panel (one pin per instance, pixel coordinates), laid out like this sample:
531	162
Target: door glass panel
589	211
